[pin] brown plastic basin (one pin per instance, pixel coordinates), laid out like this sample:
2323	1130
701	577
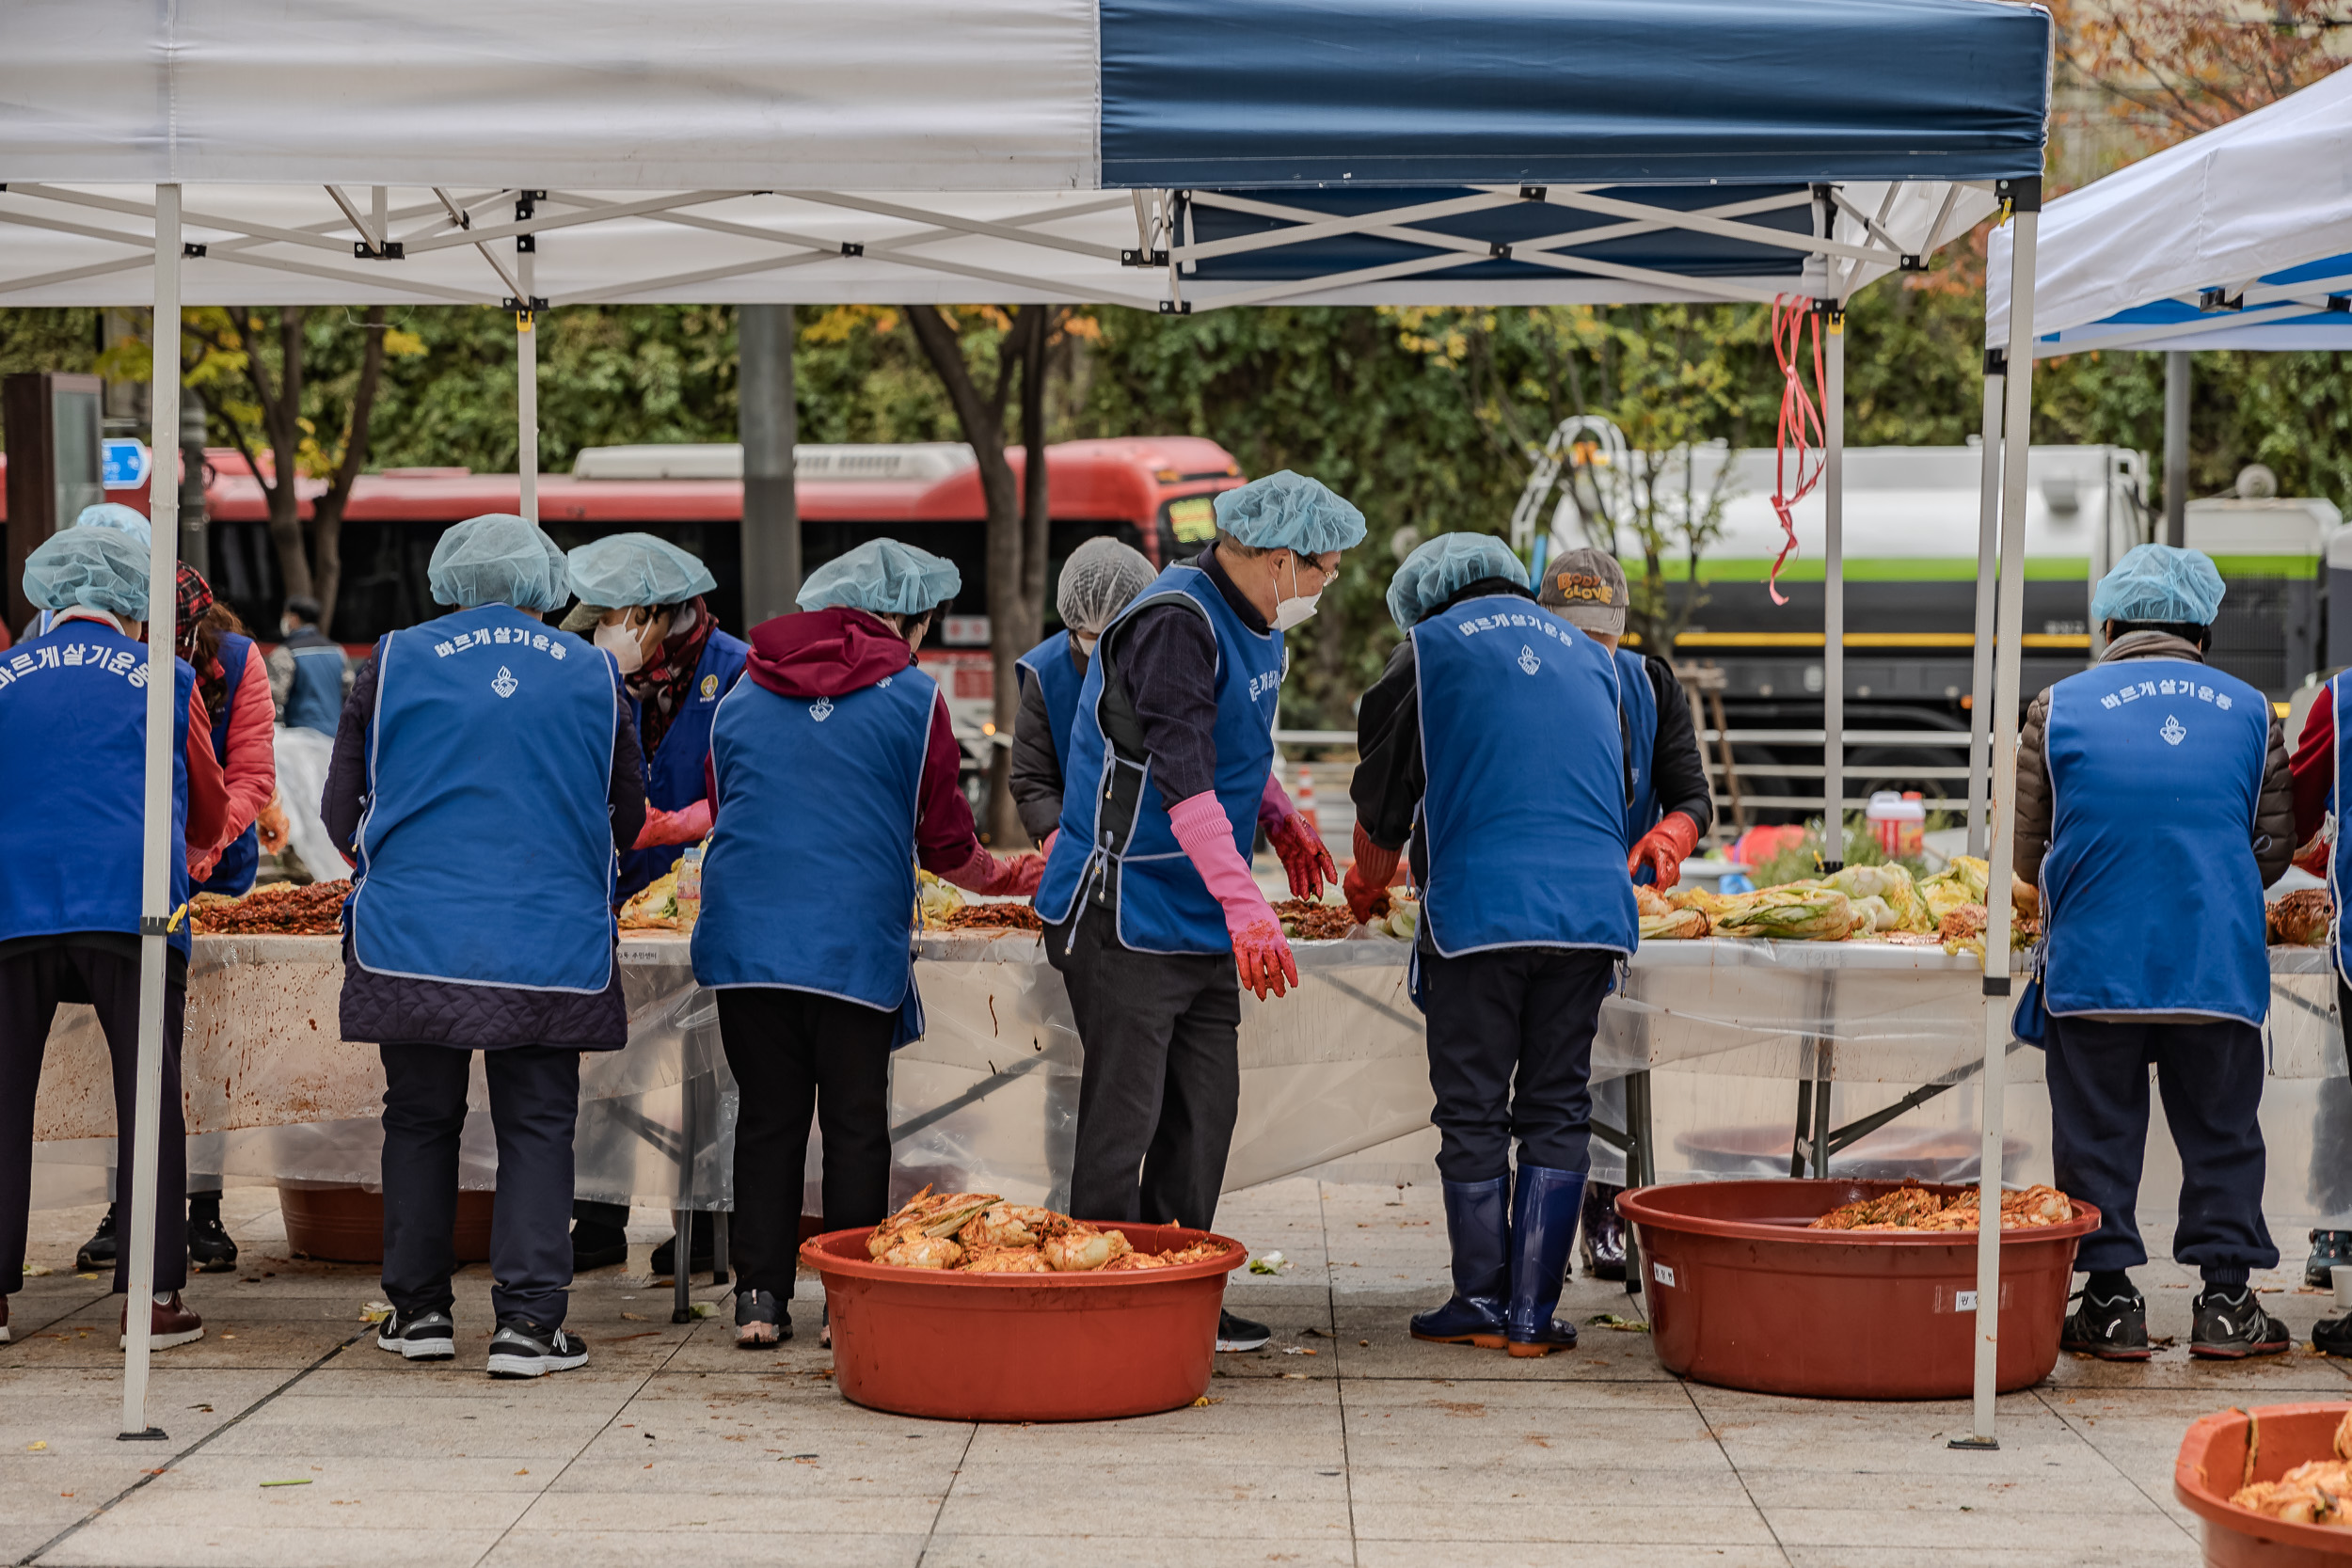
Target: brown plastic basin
1023	1347
1740	1295
2212	1467
339	1224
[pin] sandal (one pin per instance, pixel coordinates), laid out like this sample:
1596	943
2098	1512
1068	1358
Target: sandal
760	1320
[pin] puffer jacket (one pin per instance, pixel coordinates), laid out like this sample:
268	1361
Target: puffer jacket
2274	819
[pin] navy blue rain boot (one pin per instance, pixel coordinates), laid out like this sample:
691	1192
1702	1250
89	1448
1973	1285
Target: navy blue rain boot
1477	1226
1544	1213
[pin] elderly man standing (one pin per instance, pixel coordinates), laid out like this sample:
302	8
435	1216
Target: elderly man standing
2152	759
1147	898
487	771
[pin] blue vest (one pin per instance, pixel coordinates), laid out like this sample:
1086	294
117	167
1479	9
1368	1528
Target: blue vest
316	701
232	874
809	880
1059	682
486	854
73	783
674	774
2150	890
1163	905
1641	741
1524	816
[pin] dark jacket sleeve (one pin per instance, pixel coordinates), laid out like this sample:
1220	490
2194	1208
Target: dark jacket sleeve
2313	766
944	837
1167	655
2274	819
1036	771
626	793
1674	763
2033	790
347	769
1390	780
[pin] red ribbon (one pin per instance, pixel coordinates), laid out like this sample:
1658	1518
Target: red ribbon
1800	425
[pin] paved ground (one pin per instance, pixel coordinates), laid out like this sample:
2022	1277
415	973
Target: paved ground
1347	1443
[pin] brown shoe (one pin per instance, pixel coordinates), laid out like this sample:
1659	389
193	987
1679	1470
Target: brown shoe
170	1324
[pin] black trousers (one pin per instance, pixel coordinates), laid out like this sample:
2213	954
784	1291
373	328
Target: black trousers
1511	1055
2210	1078
534	1104
1161	1082
32	985
794	1052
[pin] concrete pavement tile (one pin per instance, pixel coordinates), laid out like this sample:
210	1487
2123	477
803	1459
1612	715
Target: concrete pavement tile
2274	1379
2126	1536
1505	1554
349	1501
688	1506
1182	1550
1473	1479
323	1429
109	1543
2079	1490
1500	1393
34	1518
214	1471
867	1471
2090	1555
1045	1511
554	1548
1664	1522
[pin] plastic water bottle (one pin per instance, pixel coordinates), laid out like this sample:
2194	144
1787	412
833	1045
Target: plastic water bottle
690	887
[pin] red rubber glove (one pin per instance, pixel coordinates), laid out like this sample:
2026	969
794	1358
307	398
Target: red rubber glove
688	825
2313	855
1306	860
1368	876
1000	876
1261	952
1046	848
1662	850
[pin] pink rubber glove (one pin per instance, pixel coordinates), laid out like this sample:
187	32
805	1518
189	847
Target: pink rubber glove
1046	848
690	825
1260	951
1306	860
1000	876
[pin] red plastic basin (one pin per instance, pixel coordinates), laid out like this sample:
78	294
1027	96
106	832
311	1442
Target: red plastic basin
1742	1294
1023	1347
2212	1467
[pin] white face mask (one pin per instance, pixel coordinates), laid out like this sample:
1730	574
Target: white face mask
1300	608
620	640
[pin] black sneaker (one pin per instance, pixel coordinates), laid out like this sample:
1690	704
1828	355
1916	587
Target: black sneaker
1233	1332
419	1337
2232	1325
210	1247
597	1245
760	1321
2329	1248
2330	1335
523	1349
2113	1328
699	1257
98	1254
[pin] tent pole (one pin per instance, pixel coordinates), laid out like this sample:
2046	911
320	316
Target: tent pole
767	425
1988	547
2176	446
2016	424
527	387
155	911
1834	595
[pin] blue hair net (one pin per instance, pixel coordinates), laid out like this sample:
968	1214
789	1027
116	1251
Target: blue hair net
121	519
636	569
498	559
2160	582
1288	511
1442	567
93	566
883	577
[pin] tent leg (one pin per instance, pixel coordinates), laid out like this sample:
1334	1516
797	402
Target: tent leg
1987	548
2016	425
768	424
155	860
1834	596
527	390
2176	364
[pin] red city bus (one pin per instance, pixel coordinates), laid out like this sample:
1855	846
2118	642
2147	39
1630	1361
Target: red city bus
1152	492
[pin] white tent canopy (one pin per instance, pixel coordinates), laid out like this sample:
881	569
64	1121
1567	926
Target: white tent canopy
2239	238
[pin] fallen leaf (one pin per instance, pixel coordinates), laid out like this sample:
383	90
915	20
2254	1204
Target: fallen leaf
1204	1401
85	1277
522	1472
35	1448
703	1308
38	1271
1365	1342
299	1481
1295	1377
206	1408
228	1336
633	1317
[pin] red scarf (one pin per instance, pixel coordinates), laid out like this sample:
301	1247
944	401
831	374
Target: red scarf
660	683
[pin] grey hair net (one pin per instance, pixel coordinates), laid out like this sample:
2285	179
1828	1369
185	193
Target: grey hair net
498	559
884	578
636	569
121	519
1442	567
2160	582
1288	511
93	566
1097	582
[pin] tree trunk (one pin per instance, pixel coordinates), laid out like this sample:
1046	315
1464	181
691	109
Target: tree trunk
326	529
1037	519
281	420
983	428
